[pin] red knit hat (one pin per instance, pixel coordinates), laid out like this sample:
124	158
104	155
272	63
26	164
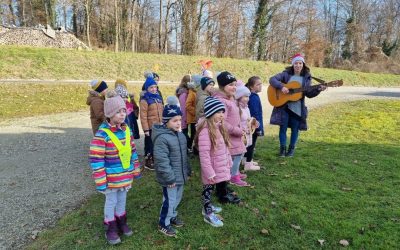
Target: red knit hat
298	57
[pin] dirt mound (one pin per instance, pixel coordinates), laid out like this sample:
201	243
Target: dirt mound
39	37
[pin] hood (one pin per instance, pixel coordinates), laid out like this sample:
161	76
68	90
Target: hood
93	95
221	95
159	129
180	91
106	124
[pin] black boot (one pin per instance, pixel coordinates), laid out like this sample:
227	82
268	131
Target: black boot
282	151
290	152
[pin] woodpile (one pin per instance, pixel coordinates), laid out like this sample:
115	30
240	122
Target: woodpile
39	37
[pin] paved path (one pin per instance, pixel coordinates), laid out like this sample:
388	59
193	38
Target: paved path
45	172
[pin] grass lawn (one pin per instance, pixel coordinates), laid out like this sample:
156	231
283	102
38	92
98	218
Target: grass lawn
46	63
21	100
342	184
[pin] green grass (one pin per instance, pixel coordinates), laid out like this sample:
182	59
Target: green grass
343	183
20	100
45	63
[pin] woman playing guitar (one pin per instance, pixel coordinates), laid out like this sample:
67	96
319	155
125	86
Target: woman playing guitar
293	114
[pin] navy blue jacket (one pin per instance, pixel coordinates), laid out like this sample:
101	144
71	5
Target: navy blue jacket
256	112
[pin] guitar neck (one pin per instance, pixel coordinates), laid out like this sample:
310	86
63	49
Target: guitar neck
302	89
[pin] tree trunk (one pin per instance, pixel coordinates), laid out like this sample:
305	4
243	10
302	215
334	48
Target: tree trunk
133	26
12	16
165	44
87	9
116	48
160	28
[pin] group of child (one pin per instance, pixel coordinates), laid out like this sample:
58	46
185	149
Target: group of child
224	122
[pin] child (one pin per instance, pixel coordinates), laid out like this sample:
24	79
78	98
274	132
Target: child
115	163
255	85
207	89
226	94
96	102
294	113
242	97
171	164
132	109
156	78
182	94
212	140
151	109
191	112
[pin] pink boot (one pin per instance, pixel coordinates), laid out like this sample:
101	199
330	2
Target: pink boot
235	180
249	166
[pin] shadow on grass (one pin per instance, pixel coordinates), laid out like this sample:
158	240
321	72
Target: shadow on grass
327	191
384	94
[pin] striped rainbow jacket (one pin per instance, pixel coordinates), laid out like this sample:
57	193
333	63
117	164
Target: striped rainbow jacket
108	172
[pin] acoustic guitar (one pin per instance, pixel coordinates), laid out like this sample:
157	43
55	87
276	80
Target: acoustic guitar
276	98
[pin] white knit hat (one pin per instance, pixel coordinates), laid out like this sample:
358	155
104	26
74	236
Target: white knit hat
241	90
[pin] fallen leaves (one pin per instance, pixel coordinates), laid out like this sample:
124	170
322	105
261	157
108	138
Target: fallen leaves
347	189
295	227
344	243
264	231
321	242
35	234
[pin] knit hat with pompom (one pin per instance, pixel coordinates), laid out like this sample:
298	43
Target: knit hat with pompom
113	104
171	109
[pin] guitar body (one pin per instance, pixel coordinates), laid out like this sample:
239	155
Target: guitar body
276	98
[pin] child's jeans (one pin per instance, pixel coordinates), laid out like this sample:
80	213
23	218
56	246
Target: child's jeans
236	164
115	203
171	199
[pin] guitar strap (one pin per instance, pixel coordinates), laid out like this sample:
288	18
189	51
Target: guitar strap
318	80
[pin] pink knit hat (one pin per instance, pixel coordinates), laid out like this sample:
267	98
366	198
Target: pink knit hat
113	104
297	57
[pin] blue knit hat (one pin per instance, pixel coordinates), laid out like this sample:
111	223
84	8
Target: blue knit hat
205	81
171	109
149	82
212	106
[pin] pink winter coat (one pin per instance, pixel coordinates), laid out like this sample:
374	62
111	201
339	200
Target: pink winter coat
215	162
244	122
232	123
182	94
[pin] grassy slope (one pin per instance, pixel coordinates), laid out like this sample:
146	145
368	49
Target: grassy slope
343	183
41	63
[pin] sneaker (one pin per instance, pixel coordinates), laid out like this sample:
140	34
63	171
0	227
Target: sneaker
177	222
167	230
255	163
149	163
242	176
230	198
213	220
214	209
235	180
251	167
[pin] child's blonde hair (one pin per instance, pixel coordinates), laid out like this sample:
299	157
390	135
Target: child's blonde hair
212	132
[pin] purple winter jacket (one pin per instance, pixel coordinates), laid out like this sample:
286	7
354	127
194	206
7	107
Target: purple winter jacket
232	123
278	113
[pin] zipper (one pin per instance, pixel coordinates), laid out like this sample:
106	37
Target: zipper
180	151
